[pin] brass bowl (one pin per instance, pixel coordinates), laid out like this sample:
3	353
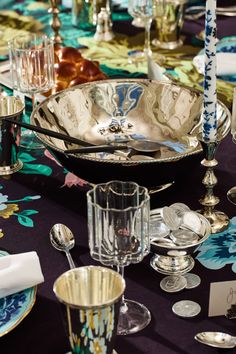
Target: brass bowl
109	111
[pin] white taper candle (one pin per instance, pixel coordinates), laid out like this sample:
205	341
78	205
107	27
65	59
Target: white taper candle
210	97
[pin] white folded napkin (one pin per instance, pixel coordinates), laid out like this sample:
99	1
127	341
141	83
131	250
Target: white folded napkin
225	63
19	272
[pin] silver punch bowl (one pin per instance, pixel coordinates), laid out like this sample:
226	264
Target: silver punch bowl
118	111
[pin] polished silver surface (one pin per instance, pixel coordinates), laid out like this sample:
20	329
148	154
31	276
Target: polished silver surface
62	239
174	257
216	339
112	111
186	308
77	287
175	265
90	299
186	248
10	107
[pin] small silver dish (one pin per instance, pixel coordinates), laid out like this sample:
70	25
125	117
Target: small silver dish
171	258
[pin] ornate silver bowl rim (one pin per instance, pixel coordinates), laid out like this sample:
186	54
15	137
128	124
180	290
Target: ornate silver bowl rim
118	104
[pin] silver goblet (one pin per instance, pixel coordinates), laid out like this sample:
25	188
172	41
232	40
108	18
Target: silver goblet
118	224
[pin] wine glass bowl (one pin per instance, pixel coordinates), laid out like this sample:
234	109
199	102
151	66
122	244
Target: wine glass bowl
118	224
32	71
32	63
145	11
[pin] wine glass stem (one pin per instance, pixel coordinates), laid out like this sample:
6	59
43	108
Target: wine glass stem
34	101
147	46
120	270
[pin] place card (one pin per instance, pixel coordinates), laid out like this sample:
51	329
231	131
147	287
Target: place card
222	296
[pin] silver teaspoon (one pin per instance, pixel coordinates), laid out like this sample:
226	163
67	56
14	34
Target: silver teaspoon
62	239
216	339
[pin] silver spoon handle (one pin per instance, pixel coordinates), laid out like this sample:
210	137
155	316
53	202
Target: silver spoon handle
70	260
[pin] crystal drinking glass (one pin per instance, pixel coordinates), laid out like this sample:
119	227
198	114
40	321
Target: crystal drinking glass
146	11
32	72
231	194
118	224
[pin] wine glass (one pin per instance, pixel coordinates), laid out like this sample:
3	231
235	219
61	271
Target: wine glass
32	72
118	224
231	194
146	11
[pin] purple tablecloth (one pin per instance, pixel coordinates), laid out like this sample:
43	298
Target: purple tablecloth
41	332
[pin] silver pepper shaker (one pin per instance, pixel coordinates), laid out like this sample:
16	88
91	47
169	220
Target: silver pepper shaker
104	26
99	34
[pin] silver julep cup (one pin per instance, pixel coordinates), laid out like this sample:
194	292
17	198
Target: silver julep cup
90	303
169	23
11	107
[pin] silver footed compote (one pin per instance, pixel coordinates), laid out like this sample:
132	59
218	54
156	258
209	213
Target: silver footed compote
118	225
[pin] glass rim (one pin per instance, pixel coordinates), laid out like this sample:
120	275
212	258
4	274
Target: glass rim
47	42
143	189
112	301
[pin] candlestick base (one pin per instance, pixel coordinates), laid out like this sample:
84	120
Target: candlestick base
218	220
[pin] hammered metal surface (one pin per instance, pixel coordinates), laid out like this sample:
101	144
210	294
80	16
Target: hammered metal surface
113	111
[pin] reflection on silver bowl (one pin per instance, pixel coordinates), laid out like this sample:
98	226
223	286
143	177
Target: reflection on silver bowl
172	259
114	111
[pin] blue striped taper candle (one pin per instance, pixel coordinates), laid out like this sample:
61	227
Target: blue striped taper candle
210	97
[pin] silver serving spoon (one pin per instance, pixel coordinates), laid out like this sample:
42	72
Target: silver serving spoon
142	145
62	239
216	339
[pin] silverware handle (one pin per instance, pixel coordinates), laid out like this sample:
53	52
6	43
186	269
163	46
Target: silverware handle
70	260
96	148
48	132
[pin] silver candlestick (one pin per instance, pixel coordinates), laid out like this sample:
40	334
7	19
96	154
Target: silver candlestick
219	221
56	22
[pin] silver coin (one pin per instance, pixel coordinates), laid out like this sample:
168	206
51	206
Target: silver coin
192	221
170	218
193	280
173	283
157	228
186	308
180	208
184	237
